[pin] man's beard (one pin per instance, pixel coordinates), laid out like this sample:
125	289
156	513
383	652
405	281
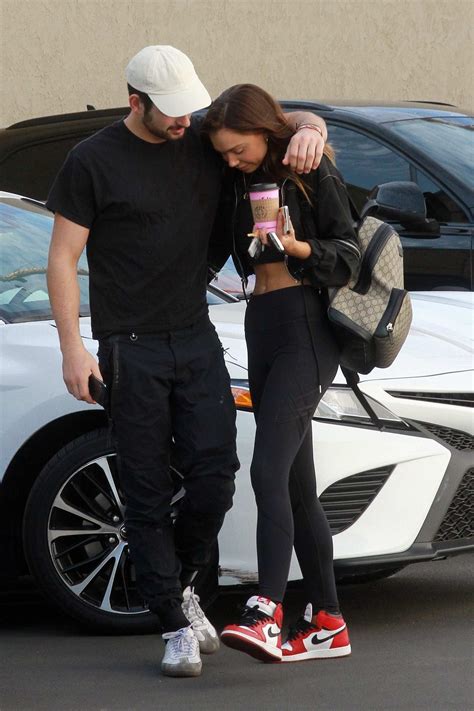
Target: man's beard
158	132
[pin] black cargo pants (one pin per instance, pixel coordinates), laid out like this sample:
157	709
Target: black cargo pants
171	389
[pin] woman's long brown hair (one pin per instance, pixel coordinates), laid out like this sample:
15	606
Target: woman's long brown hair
247	108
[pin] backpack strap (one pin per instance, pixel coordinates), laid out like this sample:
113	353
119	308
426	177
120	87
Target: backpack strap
352	379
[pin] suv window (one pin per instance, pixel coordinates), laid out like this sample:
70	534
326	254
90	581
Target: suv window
439	205
366	162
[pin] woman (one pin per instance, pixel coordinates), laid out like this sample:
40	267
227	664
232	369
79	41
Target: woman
292	360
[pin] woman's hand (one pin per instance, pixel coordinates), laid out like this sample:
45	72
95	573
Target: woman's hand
304	151
261	235
294	248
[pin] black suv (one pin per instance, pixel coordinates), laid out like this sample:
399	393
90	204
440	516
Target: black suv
431	145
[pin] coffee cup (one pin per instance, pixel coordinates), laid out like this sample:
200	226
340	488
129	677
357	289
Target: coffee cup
264	201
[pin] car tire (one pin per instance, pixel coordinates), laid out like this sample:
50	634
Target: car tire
75	541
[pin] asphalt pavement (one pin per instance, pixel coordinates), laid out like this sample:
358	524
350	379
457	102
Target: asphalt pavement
411	634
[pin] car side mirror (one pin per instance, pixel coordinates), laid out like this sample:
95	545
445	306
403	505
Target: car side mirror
402	202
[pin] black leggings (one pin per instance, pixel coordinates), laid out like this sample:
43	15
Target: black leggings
289	371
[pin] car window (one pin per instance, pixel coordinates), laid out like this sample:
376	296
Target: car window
448	140
366	162
439	205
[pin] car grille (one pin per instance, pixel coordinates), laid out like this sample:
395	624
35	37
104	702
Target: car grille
459	520
463	399
455	438
347	499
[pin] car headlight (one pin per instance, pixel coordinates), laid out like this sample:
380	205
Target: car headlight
339	404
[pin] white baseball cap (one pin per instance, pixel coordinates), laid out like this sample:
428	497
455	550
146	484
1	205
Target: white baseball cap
169	78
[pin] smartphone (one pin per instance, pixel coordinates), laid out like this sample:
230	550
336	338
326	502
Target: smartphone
274	239
98	390
286	219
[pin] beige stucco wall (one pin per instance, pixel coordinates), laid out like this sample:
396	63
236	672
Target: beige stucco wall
59	55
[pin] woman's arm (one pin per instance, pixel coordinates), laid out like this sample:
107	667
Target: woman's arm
331	248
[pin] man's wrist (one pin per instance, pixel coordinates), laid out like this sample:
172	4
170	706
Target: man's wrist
71	344
312	126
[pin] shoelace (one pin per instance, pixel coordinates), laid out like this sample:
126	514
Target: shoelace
299	628
251	615
193	609
180	643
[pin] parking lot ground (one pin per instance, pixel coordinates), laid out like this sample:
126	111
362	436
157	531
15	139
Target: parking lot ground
412	639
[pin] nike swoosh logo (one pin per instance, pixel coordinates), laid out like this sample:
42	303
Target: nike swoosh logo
271	633
318	638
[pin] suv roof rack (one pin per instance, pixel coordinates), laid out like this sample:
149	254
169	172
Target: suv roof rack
424	101
315	105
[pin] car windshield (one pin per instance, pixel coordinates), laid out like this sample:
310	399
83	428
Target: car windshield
25	232
448	141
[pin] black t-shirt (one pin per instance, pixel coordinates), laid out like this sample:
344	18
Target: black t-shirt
150	209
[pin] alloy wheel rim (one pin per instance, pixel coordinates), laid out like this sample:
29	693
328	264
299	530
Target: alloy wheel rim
87	539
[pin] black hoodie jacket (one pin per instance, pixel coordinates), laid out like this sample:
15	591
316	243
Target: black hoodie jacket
326	224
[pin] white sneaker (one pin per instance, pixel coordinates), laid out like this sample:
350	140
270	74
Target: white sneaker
202	628
182	656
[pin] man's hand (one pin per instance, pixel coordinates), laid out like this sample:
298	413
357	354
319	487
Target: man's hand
304	151
78	364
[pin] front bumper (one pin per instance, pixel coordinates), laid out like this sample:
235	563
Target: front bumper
418	484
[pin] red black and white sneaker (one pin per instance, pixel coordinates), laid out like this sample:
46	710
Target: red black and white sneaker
258	632
327	637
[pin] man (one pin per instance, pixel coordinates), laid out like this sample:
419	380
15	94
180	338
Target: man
142	196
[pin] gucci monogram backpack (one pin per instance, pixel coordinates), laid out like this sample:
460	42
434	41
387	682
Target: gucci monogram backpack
371	315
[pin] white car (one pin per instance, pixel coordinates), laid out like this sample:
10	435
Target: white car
392	497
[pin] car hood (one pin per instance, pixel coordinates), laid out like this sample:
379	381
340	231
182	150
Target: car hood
440	342
441	339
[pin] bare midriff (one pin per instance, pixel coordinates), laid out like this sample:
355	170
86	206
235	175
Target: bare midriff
270	277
